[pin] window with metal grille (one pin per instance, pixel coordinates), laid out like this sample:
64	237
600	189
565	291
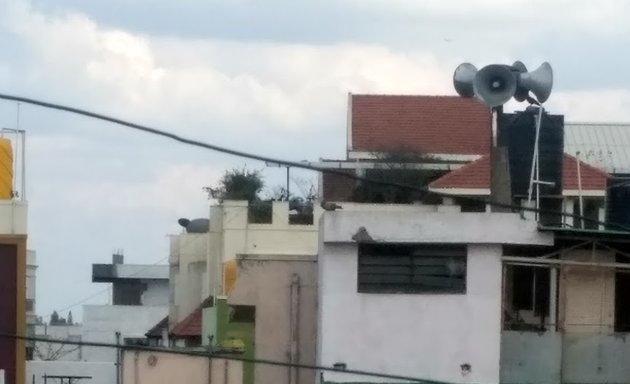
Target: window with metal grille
412	268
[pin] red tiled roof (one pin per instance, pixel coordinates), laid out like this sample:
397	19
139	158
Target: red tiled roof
476	175
191	325
592	178
426	124
157	329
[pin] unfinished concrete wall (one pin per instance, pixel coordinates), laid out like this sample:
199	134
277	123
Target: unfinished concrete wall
143	367
596	358
284	292
101	373
531	357
555	357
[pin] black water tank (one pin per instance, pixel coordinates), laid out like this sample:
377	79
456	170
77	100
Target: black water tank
618	202
517	132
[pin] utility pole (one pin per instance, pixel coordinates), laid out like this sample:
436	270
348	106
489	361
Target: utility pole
118	356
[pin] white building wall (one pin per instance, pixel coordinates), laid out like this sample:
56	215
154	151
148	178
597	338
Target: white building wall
101	322
31	269
422	335
60	352
31	287
428	336
188	273
404	223
156	293
13	217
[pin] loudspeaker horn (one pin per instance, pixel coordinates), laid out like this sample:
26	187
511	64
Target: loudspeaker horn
463	79
539	82
521	92
495	84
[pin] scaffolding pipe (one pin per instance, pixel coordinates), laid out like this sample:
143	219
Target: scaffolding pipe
579	180
540	262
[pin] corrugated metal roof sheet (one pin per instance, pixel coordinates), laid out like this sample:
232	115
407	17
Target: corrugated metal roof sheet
603	145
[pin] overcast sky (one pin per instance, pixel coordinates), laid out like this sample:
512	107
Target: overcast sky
270	77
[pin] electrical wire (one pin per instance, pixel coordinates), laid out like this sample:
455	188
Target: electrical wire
98	293
220	355
293	164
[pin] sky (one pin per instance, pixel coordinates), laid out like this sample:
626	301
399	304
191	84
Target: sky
269	77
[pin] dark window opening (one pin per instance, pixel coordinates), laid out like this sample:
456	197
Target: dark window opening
468	205
526	298
242	314
386	194
300	211
138	341
551	208
29	353
591	213
128	292
412	268
622	297
30	305
527	250
301	219
191	342
260	212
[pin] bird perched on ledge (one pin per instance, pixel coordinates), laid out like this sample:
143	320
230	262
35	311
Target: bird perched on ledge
328	206
362	236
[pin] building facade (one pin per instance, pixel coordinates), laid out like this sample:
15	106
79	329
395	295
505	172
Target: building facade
139	299
414	291
13	261
248	286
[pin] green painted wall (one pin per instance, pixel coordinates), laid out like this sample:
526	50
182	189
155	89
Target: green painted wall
208	325
235	334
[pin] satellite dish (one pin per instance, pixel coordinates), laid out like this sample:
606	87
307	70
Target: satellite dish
195	225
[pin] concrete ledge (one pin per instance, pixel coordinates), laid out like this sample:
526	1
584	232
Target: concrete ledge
276	257
13	217
409	224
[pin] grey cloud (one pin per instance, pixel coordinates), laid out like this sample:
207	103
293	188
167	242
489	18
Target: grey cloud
305	55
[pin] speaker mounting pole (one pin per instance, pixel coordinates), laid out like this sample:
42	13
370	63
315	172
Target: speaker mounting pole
495	85
534	179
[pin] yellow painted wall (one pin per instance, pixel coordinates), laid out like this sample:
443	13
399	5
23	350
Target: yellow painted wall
6	169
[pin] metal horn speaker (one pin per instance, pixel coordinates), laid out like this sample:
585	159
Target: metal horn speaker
463	79
495	84
521	92
539	82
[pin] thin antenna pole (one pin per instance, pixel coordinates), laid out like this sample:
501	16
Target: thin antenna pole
23	165
579	180
15	146
538	123
535	166
288	182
